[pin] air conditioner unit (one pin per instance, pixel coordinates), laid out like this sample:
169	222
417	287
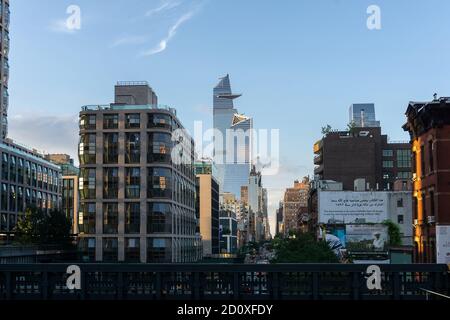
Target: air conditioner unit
416	222
431	219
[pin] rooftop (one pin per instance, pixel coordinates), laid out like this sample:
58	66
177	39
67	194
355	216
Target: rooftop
119	107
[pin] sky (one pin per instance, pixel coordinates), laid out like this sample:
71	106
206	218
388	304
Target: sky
298	63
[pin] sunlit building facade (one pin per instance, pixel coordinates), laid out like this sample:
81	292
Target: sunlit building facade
137	181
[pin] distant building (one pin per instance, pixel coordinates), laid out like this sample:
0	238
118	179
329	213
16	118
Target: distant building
70	187
279	221
428	124
364	153
27	179
232	156
295	206
208	208
362	115
137	199
228	229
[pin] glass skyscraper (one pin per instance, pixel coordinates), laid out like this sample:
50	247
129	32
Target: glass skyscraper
232	140
363	115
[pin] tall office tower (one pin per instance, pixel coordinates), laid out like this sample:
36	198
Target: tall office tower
137	196
232	140
363	115
428	124
4	68
255	197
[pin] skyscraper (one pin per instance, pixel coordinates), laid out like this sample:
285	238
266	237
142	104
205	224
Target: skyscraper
232	139
4	68
363	115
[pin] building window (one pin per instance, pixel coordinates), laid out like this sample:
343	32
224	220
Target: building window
158	250
403	158
156	120
388	153
86	218
132	250
87	183
111	183
12	169
4	197
159	218
400	203
86	246
133	148
110	148
110	218
5	168
159	147
424	206
87	148
132	217
12	198
88	122
430	155
110	250
432	205
133	183
110	121
404	175
159	183
400	219
388	164
133	121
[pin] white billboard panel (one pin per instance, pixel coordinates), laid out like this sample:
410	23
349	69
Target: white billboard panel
352	207
443	244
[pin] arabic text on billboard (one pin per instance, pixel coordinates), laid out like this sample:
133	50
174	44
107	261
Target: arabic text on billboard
352	207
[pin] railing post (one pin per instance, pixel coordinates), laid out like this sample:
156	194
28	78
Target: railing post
396	286
83	293
8	285
44	285
315	285
356	285
235	285
196	285
275	286
120	286
158	287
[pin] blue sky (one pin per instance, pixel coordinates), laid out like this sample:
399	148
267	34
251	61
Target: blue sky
299	64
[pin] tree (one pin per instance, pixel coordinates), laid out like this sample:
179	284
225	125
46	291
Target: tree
351	127
395	238
303	248
38	228
327	129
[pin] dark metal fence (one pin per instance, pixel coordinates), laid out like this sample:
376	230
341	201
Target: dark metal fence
224	282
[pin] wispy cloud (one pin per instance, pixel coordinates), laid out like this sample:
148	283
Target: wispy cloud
60	26
171	33
167	5
129	40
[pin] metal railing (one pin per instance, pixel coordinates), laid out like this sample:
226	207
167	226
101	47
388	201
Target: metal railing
222	281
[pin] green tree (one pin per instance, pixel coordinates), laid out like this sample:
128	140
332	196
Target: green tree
327	129
351	127
39	228
395	238
302	248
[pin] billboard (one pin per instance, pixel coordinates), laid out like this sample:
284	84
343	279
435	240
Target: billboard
343	207
366	237
443	244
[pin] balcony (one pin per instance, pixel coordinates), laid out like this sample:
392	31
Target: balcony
318	160
318	170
